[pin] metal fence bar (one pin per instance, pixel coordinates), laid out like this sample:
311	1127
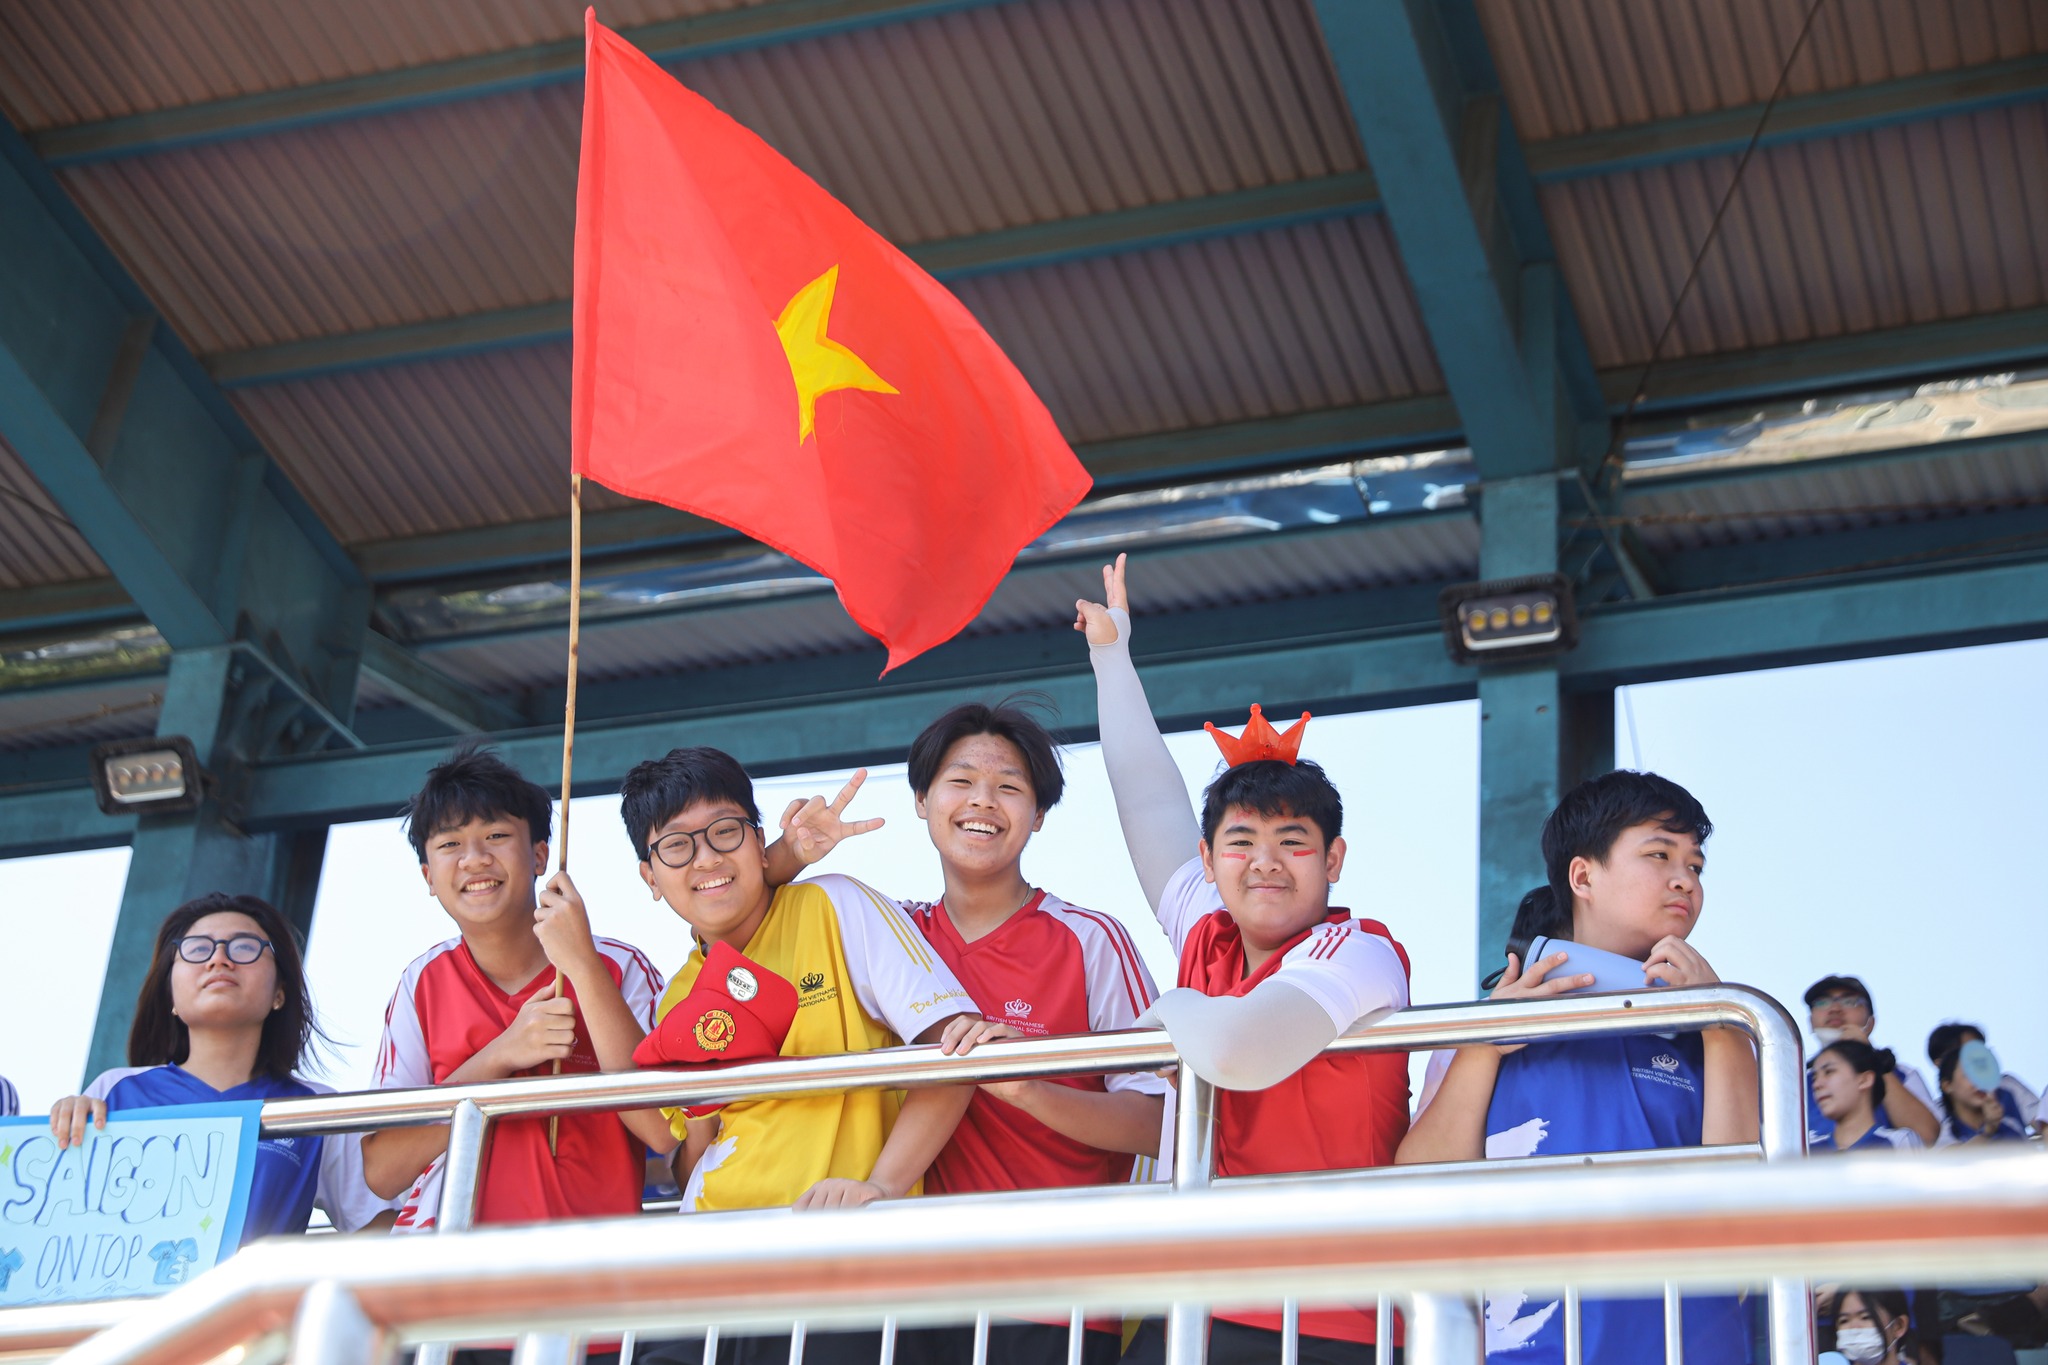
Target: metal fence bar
1290	1332
1383	1331
1077	1328
1674	1326
1974	1217
887	1355
980	1339
1194	1165
796	1343
1574	1329
331	1328
711	1344
1442	1330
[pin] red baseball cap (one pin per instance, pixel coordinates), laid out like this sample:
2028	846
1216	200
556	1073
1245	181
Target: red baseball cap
738	1011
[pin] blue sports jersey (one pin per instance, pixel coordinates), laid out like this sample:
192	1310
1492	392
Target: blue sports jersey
2009	1129
1879	1138
287	1168
1605	1095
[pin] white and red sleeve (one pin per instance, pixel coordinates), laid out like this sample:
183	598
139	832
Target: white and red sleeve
1349	971
639	982
403	1061
1119	988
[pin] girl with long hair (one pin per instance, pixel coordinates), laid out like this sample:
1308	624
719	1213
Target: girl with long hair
224	1014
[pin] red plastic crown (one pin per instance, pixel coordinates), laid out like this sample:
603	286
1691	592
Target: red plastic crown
1259	740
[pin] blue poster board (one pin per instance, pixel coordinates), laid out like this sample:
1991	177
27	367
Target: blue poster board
143	1206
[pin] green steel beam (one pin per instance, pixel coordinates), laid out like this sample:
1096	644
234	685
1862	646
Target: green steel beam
490	73
425	688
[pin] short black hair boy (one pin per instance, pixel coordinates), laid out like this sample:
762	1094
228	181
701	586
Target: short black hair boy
1272	788
1007	719
655	791
473	783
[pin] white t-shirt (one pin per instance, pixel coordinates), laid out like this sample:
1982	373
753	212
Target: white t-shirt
1348	971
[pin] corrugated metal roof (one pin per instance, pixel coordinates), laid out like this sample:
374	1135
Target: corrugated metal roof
1878	229
962	123
37	542
1578	66
93	59
79	715
1247	569
1309	317
1841	495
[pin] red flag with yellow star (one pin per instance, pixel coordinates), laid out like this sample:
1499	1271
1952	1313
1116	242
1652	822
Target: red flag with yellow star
748	350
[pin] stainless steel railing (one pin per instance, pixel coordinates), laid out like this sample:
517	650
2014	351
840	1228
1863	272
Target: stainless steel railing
470	1109
1872	1219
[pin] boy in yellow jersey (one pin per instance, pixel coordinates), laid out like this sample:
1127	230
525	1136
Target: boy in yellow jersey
865	979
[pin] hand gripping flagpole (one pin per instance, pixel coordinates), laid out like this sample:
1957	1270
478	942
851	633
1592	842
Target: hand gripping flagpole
569	723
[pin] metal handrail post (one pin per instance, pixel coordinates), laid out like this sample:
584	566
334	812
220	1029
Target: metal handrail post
331	1328
461	1190
1194	1165
1442	1330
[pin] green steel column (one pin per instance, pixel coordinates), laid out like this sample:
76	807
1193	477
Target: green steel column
177	857
1535	738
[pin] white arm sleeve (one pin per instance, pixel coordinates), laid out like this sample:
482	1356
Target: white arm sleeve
897	976
348	1199
1160	828
1337	976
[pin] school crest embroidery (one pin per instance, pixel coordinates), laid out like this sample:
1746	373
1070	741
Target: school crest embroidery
714	1030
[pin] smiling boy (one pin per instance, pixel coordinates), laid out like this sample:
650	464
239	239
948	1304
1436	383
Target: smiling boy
1270	972
863	976
483	1006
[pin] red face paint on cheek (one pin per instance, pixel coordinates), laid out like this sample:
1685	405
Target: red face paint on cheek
1304	853
1239	856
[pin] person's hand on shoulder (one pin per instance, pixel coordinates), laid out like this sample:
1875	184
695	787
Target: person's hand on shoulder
1535	983
72	1115
1092	618
1677	963
563	927
837	1193
811	829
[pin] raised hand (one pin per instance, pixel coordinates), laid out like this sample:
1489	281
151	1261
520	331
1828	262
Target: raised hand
811	829
1092	618
563	926
1677	963
1529	983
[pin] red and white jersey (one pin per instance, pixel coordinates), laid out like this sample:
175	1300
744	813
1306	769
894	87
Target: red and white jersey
1051	968
444	1012
1343	1111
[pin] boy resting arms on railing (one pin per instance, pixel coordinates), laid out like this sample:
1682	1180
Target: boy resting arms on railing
1270	972
1624	855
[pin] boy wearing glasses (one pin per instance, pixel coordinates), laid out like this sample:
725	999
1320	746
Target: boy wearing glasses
861	975
486	1005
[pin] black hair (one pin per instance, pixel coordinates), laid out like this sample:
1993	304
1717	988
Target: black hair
1877	1062
475	784
1273	788
656	790
1585	824
1950	1037
1007	719
158	1037
1839	985
1892	1304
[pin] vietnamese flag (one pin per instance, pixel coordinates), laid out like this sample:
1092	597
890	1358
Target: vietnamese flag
748	350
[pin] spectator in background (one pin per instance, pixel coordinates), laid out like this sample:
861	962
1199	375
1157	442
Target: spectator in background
1973	1115
1946	1038
1848	1088
224	1014
1838	1007
1874	1327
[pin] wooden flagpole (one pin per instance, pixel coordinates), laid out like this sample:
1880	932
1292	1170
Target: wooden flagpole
569	719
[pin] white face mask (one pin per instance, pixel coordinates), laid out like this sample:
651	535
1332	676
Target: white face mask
1827	1037
1862	1345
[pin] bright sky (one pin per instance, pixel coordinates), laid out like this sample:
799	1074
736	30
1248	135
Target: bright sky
1872	818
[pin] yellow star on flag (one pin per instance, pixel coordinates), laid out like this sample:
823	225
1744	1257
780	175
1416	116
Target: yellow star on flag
817	362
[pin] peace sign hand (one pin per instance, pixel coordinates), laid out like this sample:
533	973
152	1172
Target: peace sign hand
1093	618
813	828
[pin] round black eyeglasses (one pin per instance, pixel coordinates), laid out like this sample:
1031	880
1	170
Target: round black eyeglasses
680	848
243	949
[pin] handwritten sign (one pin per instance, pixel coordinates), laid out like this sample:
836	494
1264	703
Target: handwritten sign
144	1205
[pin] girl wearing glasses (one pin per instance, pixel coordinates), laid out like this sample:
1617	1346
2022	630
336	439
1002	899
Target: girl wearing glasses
224	1014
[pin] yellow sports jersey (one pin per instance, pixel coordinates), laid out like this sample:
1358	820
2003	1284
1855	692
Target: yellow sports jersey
865	979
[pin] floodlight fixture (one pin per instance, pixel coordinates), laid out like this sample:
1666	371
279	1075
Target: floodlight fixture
151	775
1509	620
